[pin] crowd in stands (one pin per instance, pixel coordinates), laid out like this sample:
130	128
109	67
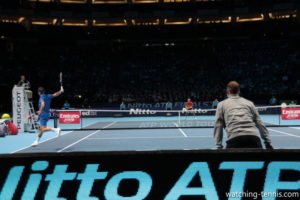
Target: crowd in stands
140	73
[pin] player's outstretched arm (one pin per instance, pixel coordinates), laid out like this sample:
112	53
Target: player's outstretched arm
56	94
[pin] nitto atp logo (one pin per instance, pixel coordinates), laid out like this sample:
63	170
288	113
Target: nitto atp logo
196	111
141	112
32	175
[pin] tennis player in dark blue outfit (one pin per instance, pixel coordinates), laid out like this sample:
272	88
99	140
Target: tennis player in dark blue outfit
44	112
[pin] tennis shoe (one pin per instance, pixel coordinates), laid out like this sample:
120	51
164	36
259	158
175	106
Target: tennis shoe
35	143
57	131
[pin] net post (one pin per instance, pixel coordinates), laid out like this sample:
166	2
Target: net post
81	118
55	118
279	116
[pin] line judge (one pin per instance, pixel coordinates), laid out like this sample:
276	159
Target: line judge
241	120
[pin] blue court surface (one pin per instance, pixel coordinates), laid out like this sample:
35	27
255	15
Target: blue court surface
134	139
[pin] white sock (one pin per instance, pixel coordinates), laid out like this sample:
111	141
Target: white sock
53	129
38	139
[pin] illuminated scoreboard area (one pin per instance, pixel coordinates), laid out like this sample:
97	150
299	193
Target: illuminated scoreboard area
97	14
168	175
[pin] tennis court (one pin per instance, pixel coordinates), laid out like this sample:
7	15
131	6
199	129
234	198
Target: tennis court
125	133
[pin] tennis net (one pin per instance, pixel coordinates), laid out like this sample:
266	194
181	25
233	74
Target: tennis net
93	119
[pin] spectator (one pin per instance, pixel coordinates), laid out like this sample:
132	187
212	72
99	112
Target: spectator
273	100
169	106
215	104
122	106
283	105
67	105
260	66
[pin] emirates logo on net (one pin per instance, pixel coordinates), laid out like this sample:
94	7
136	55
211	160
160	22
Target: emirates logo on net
69	117
290	113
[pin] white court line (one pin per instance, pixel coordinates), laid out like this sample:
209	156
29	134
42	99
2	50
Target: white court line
277	135
70	145
91	124
289	134
125	138
46	140
297	128
181	131
39	142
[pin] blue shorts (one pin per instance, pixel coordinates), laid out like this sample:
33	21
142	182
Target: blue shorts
44	118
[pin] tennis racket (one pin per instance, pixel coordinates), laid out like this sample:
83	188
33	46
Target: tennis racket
61	79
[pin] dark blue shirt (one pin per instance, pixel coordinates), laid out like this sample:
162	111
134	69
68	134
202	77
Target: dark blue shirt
46	98
66	106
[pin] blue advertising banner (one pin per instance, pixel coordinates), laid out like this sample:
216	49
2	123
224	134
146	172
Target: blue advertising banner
158	175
